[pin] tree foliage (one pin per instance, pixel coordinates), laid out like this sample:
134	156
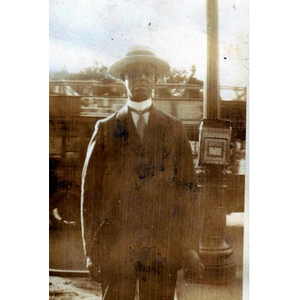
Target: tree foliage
176	76
99	72
181	77
94	72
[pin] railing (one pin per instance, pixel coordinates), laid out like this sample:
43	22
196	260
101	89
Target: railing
110	89
77	98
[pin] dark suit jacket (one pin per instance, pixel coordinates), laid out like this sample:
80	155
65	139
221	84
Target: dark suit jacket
137	194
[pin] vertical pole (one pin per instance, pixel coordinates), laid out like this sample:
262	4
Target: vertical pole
211	94
214	251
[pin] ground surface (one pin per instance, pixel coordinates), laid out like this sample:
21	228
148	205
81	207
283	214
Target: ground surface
69	253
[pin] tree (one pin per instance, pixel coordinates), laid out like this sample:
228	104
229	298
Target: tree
95	72
61	75
181	77
176	76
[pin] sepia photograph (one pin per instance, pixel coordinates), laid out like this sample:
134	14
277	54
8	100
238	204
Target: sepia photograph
148	149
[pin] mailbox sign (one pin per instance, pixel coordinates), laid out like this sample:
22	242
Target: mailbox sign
215	139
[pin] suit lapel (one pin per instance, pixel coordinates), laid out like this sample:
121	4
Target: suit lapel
125	126
152	129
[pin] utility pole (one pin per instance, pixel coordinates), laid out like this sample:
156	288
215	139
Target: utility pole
213	168
212	85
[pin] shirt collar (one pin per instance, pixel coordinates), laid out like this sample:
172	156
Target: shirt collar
139	105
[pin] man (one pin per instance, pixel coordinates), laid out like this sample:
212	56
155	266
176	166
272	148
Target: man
138	190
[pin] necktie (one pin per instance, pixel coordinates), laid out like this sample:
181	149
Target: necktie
141	123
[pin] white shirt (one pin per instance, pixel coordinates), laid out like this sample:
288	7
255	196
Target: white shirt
139	106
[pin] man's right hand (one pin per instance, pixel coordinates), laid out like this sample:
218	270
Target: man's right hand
88	263
193	266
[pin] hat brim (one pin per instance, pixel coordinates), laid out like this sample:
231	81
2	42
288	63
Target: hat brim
118	68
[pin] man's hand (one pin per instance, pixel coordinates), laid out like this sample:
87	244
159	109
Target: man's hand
88	263
192	266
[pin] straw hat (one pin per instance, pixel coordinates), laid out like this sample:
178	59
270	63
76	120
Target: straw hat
138	53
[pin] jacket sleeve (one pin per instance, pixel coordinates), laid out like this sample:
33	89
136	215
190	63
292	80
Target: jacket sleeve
92	175
189	194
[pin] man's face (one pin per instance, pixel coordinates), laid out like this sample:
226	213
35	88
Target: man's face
140	79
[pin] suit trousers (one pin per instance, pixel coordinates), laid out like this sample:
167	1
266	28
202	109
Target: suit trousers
119	271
